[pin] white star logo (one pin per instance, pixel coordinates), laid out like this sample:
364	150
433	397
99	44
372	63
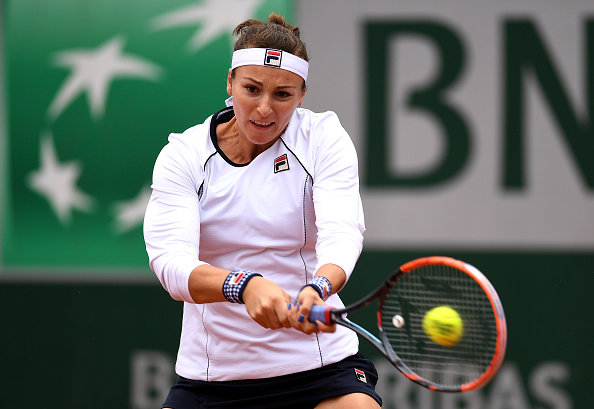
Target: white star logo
215	17
93	71
57	182
130	214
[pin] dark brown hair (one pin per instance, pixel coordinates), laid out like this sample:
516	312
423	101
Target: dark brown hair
276	33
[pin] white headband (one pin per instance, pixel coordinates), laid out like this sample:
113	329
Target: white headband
269	57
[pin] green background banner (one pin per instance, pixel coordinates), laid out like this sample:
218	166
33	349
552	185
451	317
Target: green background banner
93	91
496	93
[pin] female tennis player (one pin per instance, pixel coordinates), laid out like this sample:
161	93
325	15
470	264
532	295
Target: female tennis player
254	209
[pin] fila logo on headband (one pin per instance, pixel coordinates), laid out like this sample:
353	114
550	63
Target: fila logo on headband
272	58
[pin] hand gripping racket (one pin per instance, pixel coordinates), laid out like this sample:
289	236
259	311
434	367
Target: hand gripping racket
407	296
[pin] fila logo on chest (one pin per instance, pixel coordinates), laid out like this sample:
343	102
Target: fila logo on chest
281	163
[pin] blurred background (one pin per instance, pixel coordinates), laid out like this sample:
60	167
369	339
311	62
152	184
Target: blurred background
474	124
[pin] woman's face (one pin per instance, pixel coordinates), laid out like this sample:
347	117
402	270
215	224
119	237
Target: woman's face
264	99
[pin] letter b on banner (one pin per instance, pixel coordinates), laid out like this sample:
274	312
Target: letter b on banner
430	99
152	374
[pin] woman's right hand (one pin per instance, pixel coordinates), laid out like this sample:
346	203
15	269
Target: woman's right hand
266	302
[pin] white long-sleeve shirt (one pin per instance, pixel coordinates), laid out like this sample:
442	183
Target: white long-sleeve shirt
292	209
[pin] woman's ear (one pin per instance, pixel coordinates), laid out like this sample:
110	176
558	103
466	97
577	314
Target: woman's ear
229	84
302	98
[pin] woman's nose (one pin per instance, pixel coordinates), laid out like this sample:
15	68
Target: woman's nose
264	108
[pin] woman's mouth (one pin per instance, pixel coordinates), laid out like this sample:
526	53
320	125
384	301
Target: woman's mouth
262	124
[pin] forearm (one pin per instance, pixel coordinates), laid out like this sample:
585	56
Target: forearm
334	274
206	284
265	301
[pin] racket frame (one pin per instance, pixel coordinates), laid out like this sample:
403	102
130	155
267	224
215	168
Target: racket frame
382	344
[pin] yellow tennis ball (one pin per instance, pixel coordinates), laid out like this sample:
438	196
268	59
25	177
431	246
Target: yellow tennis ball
443	326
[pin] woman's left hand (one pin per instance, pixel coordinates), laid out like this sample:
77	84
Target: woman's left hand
298	314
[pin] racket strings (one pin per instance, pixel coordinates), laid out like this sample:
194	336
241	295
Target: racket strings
432	286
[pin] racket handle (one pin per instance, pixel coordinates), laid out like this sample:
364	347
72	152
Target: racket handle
318	313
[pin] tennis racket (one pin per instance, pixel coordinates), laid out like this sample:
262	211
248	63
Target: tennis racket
405	298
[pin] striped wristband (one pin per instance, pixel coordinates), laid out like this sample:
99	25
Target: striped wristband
235	284
321	285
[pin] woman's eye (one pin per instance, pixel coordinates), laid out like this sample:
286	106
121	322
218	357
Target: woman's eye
251	88
283	94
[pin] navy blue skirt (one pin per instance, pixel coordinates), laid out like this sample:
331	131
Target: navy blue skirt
301	390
